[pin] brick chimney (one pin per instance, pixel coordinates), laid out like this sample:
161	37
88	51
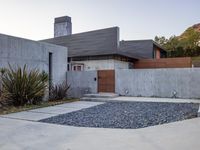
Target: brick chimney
62	26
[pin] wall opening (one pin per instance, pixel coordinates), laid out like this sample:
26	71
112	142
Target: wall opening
50	69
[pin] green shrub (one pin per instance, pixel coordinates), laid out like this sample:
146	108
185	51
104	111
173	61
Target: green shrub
20	86
58	92
2	71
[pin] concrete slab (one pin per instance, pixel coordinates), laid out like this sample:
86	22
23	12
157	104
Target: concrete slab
80	104
102	95
141	99
28	115
42	113
54	110
23	135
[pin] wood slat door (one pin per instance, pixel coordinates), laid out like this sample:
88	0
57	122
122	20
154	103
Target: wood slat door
106	81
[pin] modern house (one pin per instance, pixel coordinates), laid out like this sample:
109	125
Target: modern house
69	56
101	49
101	60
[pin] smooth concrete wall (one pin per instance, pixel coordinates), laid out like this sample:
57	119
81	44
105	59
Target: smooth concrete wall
159	82
121	64
81	82
103	64
96	64
18	52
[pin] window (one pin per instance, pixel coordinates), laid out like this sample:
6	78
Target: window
77	67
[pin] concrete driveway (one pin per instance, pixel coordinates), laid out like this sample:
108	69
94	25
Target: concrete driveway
22	132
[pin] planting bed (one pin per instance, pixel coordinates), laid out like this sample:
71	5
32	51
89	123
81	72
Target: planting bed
127	115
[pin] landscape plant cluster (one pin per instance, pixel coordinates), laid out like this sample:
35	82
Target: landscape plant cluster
21	86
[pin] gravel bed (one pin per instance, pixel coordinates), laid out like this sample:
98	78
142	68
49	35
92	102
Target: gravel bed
127	115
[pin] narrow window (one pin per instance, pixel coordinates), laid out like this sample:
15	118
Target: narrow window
50	69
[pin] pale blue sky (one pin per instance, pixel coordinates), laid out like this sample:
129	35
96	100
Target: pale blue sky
137	19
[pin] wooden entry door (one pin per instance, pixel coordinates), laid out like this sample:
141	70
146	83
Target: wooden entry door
106	81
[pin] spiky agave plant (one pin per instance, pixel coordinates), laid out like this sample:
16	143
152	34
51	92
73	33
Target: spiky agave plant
58	92
22	86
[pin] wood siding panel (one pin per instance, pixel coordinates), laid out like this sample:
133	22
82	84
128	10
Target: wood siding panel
106	81
183	62
157	53
92	43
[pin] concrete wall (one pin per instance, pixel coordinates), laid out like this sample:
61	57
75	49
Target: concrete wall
103	64
121	64
159	82
81	82
141	82
18	52
62	26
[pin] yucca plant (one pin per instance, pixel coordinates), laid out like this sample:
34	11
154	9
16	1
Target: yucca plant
2	71
21	86
58	92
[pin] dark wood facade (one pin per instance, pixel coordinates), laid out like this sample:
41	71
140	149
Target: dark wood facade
106	81
183	62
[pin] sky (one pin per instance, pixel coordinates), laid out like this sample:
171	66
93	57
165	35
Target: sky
137	19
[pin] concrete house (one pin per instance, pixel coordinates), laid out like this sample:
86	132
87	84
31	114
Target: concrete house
101	49
44	56
97	60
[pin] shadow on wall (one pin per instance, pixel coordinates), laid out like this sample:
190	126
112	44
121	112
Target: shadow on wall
81	82
166	83
78	92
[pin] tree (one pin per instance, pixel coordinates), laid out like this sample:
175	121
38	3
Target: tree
190	39
161	40
172	44
188	44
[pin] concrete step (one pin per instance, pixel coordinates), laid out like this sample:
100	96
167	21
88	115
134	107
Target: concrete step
103	97
90	99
